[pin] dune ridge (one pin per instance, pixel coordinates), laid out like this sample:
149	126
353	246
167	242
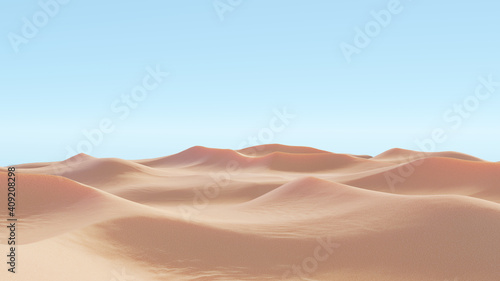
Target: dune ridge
271	212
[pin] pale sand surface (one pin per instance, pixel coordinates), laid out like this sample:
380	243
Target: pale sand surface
270	212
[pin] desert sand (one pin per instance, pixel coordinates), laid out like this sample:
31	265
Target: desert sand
270	212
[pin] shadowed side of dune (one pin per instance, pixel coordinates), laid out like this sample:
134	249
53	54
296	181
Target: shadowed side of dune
306	160
436	176
398	155
89	170
48	206
314	162
424	236
105	171
310	189
167	243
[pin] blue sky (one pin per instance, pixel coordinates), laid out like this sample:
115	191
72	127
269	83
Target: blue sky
230	71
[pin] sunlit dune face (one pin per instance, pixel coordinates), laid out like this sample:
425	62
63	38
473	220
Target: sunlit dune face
262	213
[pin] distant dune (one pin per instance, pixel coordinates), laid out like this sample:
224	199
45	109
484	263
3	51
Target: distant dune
271	212
399	155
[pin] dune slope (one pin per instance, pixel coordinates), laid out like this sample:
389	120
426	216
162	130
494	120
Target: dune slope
272	212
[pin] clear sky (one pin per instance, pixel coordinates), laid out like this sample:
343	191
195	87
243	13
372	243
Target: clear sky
232	64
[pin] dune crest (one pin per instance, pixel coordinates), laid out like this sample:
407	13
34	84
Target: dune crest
399	155
270	212
265	149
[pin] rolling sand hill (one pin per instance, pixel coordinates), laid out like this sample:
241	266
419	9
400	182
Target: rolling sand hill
270	212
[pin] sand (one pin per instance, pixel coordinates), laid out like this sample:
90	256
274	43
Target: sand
271	212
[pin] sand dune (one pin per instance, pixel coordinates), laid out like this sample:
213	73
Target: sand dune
398	155
437	175
270	212
50	206
274	157
195	156
314	162
265	149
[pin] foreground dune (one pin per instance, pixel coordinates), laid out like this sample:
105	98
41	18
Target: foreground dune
272	212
